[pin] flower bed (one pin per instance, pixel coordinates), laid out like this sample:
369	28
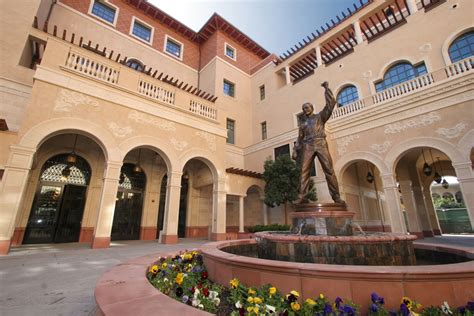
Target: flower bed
184	278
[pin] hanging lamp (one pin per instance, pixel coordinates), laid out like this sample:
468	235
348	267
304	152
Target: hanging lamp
137	167
426	168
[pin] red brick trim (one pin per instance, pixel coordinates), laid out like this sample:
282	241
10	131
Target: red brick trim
5	246
101	242
18	235
169	239
86	235
148	232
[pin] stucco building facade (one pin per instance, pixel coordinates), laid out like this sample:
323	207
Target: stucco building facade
120	122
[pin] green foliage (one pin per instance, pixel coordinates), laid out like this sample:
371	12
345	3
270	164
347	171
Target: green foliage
271	227
441	202
311	195
281	181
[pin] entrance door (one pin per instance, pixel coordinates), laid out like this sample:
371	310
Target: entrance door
127	215
56	214
70	214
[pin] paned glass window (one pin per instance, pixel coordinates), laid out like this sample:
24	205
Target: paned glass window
103	11
141	31
230	51
173	48
462	47
230	131
400	73
264	130
262	92
347	95
229	88
135	64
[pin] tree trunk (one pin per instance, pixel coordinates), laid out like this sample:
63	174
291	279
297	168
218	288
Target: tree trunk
286	212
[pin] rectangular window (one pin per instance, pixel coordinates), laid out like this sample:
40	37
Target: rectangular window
103	11
142	31
230	131
262	92
264	130
282	150
173	47
230	51
229	88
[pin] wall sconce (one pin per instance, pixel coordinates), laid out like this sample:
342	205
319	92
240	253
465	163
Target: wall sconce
72	157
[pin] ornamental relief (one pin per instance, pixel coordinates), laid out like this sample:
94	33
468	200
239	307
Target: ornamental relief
68	99
381	148
142	118
452	132
119	131
178	145
422	120
209	138
344	142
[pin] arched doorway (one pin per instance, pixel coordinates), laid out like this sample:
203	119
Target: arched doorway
58	206
129	203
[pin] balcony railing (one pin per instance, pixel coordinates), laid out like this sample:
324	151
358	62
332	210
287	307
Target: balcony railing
407	88
113	73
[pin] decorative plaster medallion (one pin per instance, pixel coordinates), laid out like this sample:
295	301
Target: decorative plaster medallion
425	48
382	148
209	138
422	120
146	119
178	145
344	142
367	74
452	132
68	99
119	131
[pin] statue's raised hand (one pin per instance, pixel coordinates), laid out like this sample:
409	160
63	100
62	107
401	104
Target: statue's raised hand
325	84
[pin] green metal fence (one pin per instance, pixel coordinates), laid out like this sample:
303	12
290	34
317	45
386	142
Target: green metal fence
454	221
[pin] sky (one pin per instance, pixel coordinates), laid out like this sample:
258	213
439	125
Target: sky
276	25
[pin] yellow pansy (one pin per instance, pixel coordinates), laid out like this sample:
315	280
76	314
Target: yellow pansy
295	306
179	278
164	265
154	269
321	296
234	283
250	299
272	291
310	301
251	291
295	293
257	300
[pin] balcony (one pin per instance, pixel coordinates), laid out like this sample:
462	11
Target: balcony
65	57
406	88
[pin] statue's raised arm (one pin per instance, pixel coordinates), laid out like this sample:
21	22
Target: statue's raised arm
330	103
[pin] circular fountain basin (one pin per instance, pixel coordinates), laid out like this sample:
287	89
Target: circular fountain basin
380	249
427	284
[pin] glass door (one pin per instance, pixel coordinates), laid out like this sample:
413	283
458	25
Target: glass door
70	214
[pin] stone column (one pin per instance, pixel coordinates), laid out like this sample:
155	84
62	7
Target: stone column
241	213
319	58
409	202
170	223
105	218
265	213
412	6
15	179
219	211
358	32
393	203
465	177
433	217
287	75
425	222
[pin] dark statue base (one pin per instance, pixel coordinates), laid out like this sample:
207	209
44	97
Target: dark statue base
330	219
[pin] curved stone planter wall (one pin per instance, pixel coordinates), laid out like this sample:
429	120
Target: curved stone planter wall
125	290
429	285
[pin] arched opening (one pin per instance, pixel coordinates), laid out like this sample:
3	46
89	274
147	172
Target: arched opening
361	185
135	64
399	73
129	203
347	95
196	200
57	206
253	207
462	47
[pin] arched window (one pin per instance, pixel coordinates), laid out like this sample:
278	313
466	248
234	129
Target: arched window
462	47
347	95
399	73
135	64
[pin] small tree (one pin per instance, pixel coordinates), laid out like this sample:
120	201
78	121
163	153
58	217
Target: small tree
281	182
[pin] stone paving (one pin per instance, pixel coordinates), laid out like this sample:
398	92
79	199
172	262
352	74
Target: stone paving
59	279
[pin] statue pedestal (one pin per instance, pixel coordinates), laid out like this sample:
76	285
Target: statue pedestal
330	219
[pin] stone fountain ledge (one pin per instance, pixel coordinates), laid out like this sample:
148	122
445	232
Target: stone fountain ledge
369	238
125	290
429	284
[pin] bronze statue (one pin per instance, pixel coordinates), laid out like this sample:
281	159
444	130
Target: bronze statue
311	142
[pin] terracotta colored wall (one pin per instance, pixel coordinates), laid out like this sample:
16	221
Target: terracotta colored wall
124	20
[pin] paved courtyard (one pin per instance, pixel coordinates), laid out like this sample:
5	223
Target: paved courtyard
59	279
